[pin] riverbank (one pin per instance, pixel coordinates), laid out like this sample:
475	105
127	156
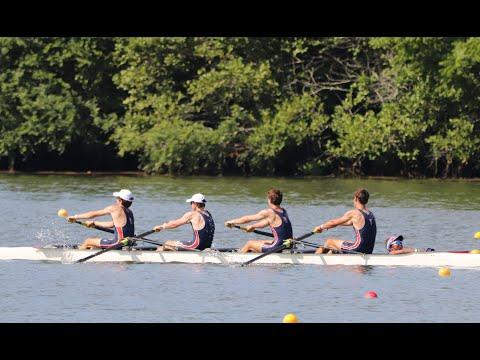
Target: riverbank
142	174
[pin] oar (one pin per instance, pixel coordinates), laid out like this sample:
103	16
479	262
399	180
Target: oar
260	232
273	250
324	247
146	240
137	238
122	242
64	214
285	245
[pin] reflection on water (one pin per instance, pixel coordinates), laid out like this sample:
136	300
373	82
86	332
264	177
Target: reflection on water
363	269
352	269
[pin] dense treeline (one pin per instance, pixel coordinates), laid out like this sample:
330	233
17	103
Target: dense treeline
285	106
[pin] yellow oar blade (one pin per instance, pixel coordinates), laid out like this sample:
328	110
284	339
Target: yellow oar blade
62	213
477	235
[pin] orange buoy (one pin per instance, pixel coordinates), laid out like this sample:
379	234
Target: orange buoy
290	318
444	272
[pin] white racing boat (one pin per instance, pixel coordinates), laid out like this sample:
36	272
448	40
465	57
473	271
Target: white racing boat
209	256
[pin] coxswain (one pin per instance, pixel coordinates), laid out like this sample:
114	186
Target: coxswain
394	245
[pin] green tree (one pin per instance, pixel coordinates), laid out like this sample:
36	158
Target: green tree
280	144
457	143
52	92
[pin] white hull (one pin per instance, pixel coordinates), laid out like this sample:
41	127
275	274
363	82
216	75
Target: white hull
431	259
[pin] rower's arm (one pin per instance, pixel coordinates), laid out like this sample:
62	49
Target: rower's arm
93	214
105	224
260	224
248	218
346	219
172	224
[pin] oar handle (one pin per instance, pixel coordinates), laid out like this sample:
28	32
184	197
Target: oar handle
101	228
304	236
145	234
260	232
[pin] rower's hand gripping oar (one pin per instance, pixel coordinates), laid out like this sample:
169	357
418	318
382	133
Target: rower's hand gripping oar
245	229
64	214
122	242
286	244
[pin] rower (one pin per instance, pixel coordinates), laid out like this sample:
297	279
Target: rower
363	222
394	245
275	216
122	221
202	224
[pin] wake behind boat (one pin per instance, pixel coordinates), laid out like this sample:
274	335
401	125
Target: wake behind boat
231	257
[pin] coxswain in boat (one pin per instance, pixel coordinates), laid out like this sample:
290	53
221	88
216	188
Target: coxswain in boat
363	222
394	245
122	221
202	224
275	216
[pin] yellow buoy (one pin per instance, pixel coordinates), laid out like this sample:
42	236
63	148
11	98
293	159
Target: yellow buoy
475	251
477	235
62	213
290	318
444	272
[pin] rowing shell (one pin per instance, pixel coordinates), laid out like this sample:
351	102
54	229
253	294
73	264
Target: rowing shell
431	259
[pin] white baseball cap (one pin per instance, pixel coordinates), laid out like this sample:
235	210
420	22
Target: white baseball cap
198	198
124	194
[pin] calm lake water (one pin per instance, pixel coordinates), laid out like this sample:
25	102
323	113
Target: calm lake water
431	213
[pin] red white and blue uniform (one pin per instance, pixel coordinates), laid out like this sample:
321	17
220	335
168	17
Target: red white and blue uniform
121	232
364	237
202	238
280	233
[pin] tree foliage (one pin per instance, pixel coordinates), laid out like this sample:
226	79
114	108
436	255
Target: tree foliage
285	106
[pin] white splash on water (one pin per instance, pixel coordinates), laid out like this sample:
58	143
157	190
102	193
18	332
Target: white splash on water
52	235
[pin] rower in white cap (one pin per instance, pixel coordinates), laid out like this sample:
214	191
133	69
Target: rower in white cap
202	225
122	221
